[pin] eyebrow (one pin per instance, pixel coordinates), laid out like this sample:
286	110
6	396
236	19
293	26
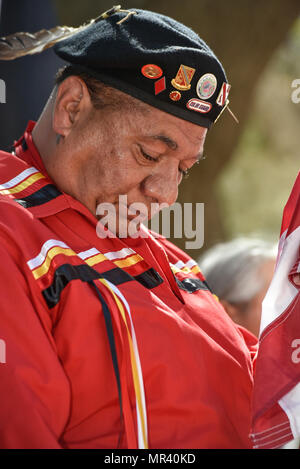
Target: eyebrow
168	141
173	145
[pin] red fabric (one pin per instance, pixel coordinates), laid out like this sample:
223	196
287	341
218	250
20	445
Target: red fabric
57	387
276	372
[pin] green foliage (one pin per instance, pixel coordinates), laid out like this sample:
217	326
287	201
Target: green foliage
255	185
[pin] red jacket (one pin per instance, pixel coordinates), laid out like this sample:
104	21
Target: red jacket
107	342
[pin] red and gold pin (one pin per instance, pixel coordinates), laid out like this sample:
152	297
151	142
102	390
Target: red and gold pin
160	85
152	71
183	79
175	95
223	95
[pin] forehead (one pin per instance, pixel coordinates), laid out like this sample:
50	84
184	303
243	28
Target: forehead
172	131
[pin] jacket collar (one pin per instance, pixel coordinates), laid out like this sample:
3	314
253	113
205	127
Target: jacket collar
43	198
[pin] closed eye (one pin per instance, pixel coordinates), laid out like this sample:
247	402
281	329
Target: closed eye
146	156
184	172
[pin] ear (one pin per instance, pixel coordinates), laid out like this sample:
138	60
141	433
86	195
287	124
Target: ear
72	104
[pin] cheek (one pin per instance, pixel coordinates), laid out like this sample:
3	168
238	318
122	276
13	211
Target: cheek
108	179
108	170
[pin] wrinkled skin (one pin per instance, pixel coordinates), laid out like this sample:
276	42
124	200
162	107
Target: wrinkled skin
102	154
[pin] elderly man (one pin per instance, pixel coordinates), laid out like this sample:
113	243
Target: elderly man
114	342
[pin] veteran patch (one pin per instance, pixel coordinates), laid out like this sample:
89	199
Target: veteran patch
182	81
206	86
197	105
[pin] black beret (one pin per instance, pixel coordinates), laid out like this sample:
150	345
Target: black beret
155	59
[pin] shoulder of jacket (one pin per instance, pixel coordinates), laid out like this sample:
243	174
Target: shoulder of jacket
11	167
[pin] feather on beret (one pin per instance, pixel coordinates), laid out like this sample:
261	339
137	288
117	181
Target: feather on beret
144	54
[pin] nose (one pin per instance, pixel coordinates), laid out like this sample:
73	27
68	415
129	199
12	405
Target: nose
162	185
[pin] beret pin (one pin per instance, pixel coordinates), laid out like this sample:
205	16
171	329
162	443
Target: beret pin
147	55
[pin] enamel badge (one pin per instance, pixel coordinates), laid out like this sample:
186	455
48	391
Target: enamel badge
160	85
223	95
151	71
206	86
197	105
175	95
182	81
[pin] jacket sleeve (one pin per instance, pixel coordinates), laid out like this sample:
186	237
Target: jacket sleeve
34	390
251	342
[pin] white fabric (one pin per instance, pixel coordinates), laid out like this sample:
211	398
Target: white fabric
281	291
291	406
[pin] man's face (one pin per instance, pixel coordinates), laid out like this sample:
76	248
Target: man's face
140	155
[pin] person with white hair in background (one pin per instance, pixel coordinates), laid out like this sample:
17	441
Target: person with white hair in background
239	273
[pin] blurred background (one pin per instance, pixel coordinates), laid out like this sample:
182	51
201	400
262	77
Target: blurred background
250	167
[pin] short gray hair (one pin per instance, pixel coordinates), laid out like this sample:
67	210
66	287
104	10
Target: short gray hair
231	268
102	95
